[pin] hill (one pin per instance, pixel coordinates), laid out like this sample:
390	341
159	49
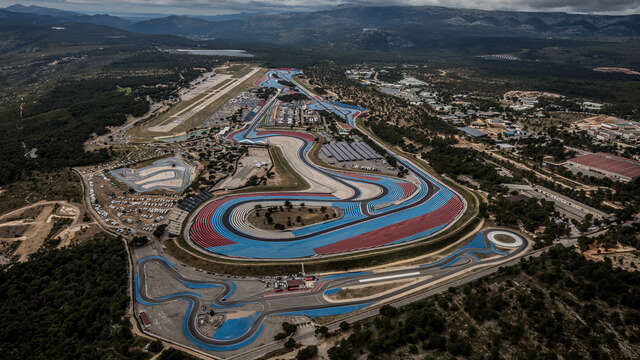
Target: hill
52	16
39	10
368	27
402	26
175	25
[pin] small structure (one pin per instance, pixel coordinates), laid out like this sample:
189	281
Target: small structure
587	105
344	128
472	132
144	319
295	284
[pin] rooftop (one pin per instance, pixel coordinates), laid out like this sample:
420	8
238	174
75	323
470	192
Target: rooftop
611	163
345	126
472	132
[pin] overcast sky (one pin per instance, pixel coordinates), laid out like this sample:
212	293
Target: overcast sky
212	7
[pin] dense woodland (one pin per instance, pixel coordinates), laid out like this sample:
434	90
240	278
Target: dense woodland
461	161
292	97
68	304
537	148
57	122
70	113
558	305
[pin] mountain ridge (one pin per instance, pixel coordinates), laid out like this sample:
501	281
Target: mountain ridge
387	27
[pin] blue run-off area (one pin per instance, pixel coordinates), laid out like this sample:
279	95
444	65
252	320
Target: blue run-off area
234	328
477	246
210	347
342	276
139	298
250	248
351	224
328	311
351	210
188	284
332	291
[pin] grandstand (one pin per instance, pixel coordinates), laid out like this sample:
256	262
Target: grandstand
191	203
354	151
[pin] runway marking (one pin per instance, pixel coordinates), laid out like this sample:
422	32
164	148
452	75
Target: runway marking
389	277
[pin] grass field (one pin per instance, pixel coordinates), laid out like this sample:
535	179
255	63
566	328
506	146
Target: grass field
57	185
289	179
357	292
308	215
305	84
239	71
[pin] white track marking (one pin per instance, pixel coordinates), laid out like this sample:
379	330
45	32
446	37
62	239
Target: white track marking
389	277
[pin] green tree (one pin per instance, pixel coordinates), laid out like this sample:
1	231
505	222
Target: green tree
307	353
159	231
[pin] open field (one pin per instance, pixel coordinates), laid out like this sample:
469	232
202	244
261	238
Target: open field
189	106
26	230
63	184
12	231
256	162
285	179
308	215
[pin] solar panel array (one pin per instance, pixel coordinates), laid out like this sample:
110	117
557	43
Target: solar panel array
343	151
191	203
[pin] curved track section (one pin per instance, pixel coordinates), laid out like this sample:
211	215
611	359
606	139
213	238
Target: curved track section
234	334
402	210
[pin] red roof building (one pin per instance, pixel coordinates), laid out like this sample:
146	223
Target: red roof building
609	165
295	284
145	319
344	128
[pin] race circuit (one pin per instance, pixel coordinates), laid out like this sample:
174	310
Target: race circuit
402	210
235	333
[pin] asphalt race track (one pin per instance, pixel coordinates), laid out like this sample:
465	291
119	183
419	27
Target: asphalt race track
405	209
483	250
378	211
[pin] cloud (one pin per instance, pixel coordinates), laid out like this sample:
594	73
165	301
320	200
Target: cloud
228	6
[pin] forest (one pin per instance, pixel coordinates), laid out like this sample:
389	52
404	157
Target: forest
57	123
68	304
455	161
536	149
292	97
558	305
